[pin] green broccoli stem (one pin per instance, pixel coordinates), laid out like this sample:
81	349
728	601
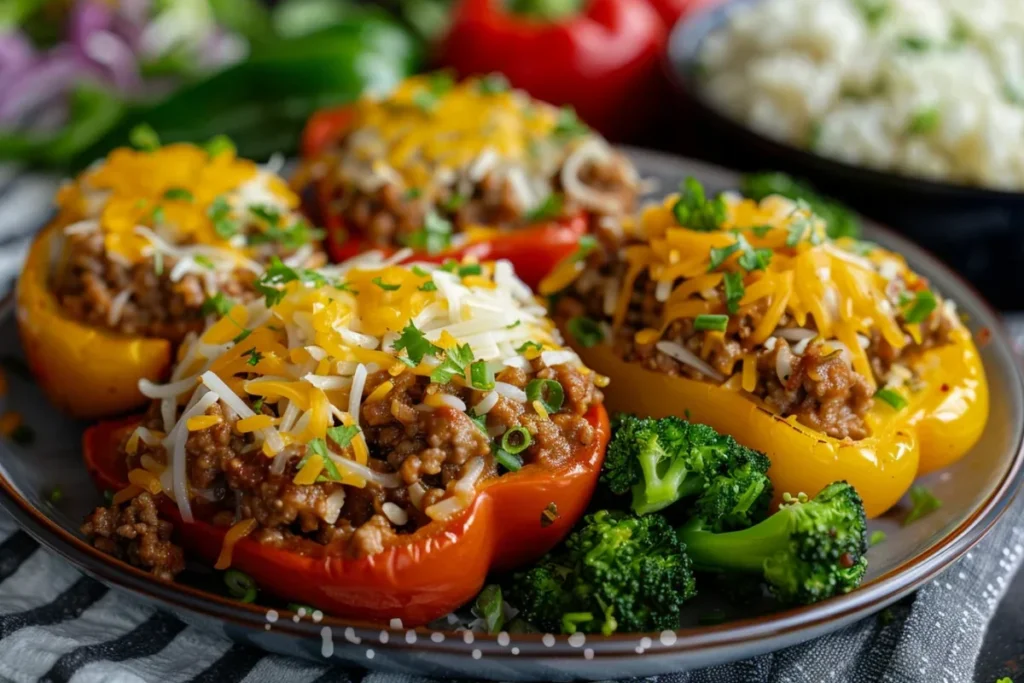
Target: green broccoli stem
745	550
658	491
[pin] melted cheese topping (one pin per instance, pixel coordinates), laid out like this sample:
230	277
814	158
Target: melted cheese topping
166	201
310	355
839	290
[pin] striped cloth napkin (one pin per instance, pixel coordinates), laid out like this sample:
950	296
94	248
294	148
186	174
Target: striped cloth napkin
58	625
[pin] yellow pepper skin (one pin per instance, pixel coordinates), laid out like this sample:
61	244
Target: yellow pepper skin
934	429
85	371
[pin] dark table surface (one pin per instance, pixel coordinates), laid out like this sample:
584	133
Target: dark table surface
992	265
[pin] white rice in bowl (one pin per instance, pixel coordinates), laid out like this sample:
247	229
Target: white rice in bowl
931	88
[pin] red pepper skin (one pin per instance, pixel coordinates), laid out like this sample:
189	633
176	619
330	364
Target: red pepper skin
440	567
534	250
605	62
672	11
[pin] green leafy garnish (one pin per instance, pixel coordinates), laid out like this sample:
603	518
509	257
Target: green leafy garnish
428	287
219	144
585	330
379	281
923	503
178	194
893	398
144	138
481	377
470	269
526	346
924	121
435	235
219	212
242	336
876	537
415	345
695	211
413	193
455	202
550	208
218	303
454	363
203	261
568	124
278	273
157	215
510	461
839	220
920	307
342	435
489	606
734	291
254	356
586	244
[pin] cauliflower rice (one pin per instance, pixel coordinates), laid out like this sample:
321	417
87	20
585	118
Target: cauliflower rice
931	88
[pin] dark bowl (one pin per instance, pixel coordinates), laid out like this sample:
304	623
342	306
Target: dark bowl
973	229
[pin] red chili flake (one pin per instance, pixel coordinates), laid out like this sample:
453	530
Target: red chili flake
548	515
983	336
944	388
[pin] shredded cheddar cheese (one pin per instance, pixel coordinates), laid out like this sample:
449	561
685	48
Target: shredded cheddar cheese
200	422
235	534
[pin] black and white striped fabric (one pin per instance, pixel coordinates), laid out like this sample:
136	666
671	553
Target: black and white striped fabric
58	625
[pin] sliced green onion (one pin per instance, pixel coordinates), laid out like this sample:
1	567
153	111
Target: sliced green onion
585	330
921	307
548	391
179	194
240	585
219	144
480	376
470	269
891	397
734	291
516	440
512	463
144	138
714	323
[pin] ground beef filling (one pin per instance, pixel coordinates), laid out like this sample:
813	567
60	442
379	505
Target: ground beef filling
429	451
90	287
135	533
822	390
392	216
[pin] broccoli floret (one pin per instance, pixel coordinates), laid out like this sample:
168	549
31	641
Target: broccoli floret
807	551
615	572
662	461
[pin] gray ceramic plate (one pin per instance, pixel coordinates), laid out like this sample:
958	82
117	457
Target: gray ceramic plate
976	491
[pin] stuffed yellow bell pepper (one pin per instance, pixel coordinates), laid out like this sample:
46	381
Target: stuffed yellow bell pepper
831	356
147	244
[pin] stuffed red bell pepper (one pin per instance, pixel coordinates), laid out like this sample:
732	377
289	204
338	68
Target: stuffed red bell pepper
369	440
602	57
450	170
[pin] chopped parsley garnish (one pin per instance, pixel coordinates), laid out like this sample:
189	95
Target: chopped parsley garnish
278	273
924	121
415	345
515	324
178	194
218	303
333	474
750	259
550	208
343	435
254	356
761	230
413	193
219	212
480	421
440	84
798	226
435	235
492	84
893	398
923	502
144	138
455	362
450	265
242	336
876	538
568	124
695	211
319	447
203	261
481	377
920	307
526	346
428	286
585	330
734	291
157	215
714	323
379	281
915	43
219	144
291	236
257	405
454	202
420	271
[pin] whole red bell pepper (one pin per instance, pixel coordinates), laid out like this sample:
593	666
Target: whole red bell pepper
534	250
432	572
603	60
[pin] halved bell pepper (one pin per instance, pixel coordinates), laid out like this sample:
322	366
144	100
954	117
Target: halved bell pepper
534	250
941	423
86	371
433	571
